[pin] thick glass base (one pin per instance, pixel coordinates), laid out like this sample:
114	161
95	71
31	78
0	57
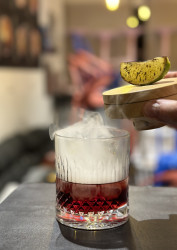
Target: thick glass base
93	221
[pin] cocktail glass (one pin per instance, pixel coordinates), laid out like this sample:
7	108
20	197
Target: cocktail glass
92	180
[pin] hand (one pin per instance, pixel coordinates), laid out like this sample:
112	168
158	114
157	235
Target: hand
163	110
171	74
169	176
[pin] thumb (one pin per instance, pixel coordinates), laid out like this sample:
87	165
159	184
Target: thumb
163	110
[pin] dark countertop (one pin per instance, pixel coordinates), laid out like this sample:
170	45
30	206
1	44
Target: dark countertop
27	221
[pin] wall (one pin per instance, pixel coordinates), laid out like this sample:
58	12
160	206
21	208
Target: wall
24	103
93	18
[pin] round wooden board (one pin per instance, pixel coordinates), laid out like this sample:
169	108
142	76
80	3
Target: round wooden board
128	110
133	94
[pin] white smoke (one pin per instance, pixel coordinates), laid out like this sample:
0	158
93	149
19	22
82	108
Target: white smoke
89	153
91	126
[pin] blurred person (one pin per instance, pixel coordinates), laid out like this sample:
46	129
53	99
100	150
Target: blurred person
90	75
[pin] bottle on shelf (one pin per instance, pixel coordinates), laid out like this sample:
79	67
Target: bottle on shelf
6	40
35	46
21	46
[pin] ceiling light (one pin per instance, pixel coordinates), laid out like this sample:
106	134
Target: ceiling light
112	5
132	22
144	13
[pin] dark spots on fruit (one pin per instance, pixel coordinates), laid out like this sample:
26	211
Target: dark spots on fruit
137	74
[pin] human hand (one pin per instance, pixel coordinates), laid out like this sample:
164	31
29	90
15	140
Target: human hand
171	74
169	177
163	110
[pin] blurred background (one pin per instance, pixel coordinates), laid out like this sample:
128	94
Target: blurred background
56	58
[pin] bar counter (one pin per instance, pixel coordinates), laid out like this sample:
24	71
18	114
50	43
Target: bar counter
27	221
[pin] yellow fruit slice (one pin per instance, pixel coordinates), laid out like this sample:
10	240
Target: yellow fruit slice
144	73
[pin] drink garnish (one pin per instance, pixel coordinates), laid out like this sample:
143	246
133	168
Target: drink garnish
145	73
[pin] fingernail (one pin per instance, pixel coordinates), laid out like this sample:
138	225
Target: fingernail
151	109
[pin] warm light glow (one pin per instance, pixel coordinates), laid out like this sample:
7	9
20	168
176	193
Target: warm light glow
144	13
112	5
132	22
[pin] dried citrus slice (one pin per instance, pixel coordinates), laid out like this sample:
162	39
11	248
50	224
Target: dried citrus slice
144	73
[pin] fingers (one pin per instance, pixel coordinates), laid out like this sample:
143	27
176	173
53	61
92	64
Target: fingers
171	74
169	176
163	110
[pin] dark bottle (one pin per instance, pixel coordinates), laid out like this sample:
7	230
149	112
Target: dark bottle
6	33
21	10
6	40
35	46
21	45
33	7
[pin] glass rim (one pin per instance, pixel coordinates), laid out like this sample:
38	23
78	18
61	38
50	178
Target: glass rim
121	133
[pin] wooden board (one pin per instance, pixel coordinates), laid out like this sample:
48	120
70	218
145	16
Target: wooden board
129	110
127	102
133	94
